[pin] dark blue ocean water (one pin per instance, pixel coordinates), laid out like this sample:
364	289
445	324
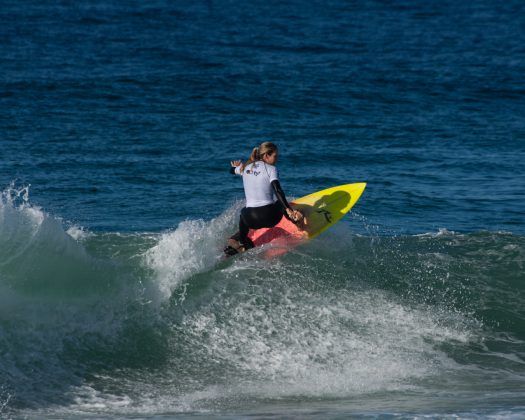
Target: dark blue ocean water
117	124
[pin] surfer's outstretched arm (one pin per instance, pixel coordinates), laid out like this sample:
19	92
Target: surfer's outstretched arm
293	215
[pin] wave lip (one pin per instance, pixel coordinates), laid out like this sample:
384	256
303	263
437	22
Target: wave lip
37	255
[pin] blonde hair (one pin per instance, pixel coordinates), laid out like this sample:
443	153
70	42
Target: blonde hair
266	148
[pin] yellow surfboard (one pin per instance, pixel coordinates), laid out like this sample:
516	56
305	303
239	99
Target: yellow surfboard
321	210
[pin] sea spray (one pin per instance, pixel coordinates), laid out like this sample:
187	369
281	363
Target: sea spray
280	332
194	246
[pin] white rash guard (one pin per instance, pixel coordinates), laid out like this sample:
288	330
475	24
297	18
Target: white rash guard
257	178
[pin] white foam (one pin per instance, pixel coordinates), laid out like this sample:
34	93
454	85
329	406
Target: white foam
78	233
442	232
312	345
196	245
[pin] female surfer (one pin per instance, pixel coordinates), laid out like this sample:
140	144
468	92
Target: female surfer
261	183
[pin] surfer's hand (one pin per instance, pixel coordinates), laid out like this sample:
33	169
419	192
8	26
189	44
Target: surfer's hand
235	163
295	215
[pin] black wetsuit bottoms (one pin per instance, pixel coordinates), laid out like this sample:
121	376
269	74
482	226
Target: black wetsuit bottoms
256	218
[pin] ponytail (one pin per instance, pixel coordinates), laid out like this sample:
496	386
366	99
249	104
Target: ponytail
255	154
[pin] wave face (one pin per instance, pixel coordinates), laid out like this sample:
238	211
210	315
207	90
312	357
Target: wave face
141	324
